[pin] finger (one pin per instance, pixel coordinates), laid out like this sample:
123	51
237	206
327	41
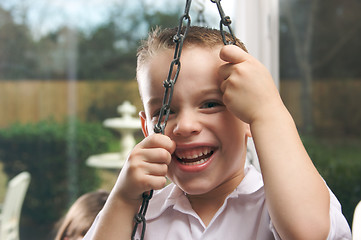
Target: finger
154	182
157	155
223	86
156	169
233	54
224	72
154	175
159	141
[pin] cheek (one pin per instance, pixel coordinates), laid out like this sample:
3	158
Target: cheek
171	171
233	134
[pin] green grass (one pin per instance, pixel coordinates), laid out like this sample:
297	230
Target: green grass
339	162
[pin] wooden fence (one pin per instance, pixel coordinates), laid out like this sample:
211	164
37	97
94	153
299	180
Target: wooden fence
31	101
335	103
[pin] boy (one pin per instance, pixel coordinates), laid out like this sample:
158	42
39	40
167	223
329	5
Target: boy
222	96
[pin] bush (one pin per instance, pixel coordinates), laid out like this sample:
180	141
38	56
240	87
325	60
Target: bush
43	149
338	161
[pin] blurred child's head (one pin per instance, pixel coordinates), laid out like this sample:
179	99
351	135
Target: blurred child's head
81	215
211	141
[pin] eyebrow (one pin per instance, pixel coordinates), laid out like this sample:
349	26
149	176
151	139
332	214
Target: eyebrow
158	101
211	90
154	101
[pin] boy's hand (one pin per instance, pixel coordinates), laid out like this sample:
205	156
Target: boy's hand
146	167
248	88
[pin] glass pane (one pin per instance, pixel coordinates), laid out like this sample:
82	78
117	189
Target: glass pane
321	86
65	66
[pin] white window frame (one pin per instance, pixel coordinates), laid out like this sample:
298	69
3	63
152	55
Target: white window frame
257	25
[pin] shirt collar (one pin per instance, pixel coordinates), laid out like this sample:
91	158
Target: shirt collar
173	196
251	182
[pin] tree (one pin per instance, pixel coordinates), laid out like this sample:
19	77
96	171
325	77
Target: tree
109	50
16	55
105	51
318	36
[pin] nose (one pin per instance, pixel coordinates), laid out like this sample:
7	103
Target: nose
186	124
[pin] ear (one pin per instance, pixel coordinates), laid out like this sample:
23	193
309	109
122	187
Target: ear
143	120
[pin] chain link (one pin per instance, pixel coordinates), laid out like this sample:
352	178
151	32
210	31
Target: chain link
140	217
168	84
225	21
165	110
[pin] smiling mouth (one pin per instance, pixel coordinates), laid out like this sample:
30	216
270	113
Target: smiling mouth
194	156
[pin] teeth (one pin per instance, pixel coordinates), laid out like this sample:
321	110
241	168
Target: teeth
199	152
195	163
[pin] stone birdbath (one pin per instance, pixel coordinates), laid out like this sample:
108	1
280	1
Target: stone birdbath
126	125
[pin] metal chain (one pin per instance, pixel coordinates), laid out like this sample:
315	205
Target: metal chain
225	21
140	217
165	110
168	84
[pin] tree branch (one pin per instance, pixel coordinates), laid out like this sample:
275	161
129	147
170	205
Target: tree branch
337	47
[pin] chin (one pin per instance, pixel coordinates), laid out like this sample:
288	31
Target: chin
195	187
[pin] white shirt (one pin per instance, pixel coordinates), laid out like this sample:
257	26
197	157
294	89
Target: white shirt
243	215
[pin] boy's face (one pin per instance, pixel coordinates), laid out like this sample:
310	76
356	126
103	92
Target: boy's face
211	141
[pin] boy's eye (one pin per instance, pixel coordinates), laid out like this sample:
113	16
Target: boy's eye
210	105
157	113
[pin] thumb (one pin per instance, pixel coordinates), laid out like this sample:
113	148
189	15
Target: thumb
233	54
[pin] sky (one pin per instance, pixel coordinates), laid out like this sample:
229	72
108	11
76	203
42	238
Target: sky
47	15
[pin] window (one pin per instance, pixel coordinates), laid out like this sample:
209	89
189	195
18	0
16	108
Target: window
65	66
